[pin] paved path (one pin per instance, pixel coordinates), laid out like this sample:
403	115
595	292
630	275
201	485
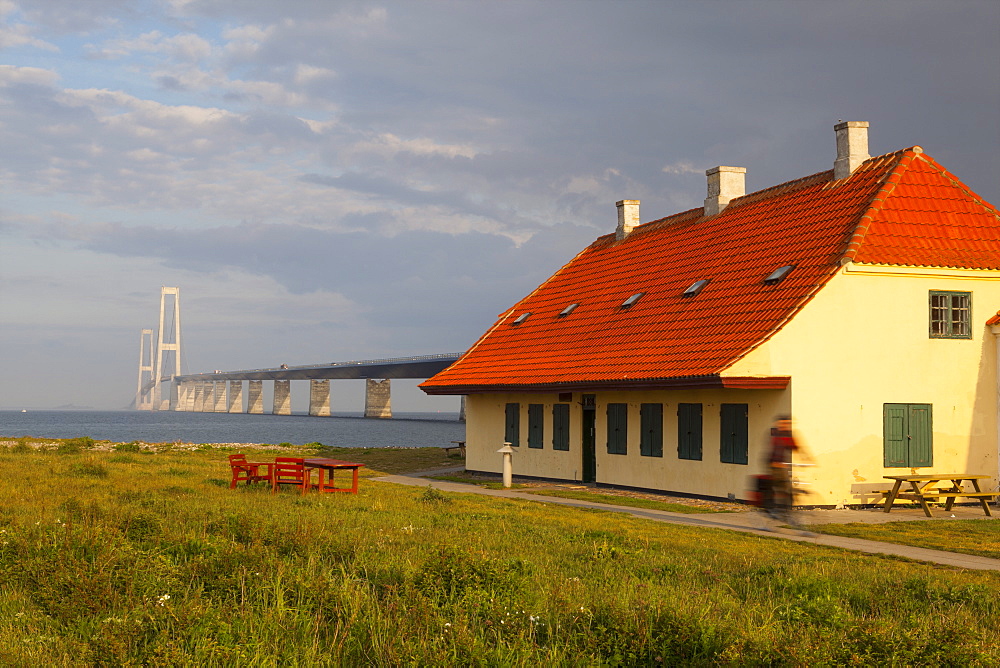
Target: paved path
750	522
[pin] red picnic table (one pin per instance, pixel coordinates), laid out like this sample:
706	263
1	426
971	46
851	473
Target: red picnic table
328	466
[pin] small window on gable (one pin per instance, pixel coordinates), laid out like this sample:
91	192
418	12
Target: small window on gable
778	274
521	318
632	300
695	288
566	311
950	315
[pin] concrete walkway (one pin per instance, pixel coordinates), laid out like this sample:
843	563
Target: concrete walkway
751	522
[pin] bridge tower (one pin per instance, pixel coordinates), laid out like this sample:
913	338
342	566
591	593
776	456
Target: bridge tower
168	347
162	362
143	397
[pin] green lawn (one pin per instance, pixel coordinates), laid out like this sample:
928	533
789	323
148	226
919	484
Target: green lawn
979	537
583	495
134	558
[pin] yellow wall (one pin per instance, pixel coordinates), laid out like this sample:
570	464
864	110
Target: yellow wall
707	477
863	342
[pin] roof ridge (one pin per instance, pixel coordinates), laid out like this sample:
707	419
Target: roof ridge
764	193
904	157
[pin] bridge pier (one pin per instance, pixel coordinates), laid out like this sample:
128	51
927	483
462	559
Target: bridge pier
181	404
377	398
187	397
319	398
282	398
209	404
255	397
175	394
205	397
221	397
235	396
461	410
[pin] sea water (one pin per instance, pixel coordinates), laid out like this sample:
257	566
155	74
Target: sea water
340	430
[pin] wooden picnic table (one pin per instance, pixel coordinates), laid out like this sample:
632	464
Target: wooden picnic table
327	466
456	445
924	488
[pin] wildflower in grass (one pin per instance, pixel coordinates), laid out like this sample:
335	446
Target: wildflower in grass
162	600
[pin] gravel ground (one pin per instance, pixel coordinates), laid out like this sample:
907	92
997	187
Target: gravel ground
527	483
109	446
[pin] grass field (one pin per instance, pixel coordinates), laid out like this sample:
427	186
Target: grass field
147	557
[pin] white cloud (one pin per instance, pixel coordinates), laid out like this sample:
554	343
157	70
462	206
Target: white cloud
387	144
682	167
185	47
16	34
309	74
10	74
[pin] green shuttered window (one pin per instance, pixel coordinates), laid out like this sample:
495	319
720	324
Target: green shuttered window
689	431
651	437
617	429
512	426
907	434
536	423
950	315
560	427
733	438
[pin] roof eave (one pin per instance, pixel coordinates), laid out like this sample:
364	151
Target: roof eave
714	381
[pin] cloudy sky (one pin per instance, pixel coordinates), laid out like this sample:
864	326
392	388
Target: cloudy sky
348	180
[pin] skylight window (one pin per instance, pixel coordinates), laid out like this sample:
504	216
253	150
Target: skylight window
521	318
695	288
566	311
632	300
778	274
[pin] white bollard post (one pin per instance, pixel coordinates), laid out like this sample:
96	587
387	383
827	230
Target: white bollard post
507	451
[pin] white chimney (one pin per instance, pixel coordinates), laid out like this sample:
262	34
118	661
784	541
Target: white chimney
628	217
724	184
852	147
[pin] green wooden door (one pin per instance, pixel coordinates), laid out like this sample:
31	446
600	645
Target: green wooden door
560	427
536	421
907	435
689	431
617	429
651	427
921	450
734	445
589	438
512	426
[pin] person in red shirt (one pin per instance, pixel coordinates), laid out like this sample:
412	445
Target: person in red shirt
784	448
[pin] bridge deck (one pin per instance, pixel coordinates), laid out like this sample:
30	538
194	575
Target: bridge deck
423	366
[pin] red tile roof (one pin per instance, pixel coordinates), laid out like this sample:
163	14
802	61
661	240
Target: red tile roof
901	208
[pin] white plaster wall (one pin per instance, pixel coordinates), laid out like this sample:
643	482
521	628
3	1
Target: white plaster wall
708	476
863	342
484	433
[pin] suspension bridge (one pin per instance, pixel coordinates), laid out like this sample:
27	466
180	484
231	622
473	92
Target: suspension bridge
162	386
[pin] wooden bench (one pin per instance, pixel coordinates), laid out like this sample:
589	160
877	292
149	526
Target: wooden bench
456	445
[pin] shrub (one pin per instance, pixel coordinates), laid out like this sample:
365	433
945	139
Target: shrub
131	446
23	445
88	469
432	495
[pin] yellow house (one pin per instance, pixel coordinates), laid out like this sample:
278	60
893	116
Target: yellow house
859	300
